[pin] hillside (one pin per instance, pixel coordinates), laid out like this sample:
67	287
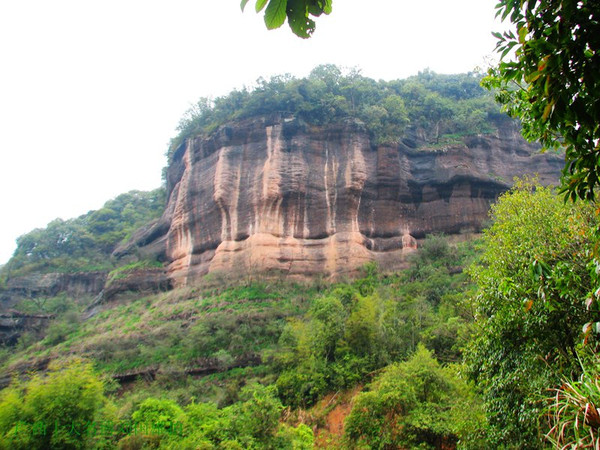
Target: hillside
321	270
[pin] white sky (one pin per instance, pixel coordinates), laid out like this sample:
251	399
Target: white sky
91	91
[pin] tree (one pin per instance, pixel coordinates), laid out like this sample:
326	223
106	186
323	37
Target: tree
57	410
552	83
531	316
416	404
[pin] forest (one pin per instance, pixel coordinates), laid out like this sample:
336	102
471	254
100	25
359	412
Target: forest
445	106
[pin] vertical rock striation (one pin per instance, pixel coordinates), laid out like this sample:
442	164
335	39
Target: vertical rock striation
275	194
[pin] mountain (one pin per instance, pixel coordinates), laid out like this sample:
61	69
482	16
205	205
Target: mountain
296	178
275	194
184	303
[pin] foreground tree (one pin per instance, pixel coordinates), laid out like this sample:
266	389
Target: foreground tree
531	316
297	12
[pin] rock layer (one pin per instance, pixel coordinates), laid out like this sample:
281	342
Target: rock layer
272	194
79	284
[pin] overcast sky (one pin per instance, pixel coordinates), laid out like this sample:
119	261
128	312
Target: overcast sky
91	91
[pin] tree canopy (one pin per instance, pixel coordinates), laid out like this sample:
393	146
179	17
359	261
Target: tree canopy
531	313
440	106
85	242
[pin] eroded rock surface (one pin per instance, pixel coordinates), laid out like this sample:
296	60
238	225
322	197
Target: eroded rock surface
271	194
51	284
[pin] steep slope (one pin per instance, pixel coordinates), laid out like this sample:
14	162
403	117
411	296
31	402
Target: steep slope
274	194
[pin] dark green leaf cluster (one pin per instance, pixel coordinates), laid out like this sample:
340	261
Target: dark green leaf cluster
436	105
553	81
298	14
416	404
85	242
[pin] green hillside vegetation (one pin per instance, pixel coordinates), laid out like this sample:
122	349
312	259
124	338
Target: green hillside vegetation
447	106
206	348
84	243
502	355
491	343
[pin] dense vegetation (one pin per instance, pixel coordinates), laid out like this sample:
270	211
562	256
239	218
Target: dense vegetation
549	78
85	242
298	342
443	106
419	358
536	307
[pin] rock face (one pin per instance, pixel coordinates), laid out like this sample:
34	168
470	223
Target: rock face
272	194
13	323
50	284
141	280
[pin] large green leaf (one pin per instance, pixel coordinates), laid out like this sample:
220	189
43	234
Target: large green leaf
275	14
260	4
301	25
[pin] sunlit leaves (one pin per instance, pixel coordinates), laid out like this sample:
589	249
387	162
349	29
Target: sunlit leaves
275	14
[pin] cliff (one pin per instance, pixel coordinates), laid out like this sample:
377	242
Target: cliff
77	284
273	194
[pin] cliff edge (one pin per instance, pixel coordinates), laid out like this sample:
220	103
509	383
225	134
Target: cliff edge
274	194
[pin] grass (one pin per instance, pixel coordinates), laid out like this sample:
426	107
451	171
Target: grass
175	328
191	327
574	413
121	272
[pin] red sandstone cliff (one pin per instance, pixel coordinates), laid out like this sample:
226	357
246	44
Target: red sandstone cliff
275	194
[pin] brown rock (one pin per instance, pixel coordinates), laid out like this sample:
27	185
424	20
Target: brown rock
51	284
270	194
14	323
140	280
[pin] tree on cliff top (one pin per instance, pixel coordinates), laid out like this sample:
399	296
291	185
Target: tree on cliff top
552	83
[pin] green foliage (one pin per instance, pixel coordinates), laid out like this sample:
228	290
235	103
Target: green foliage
86	242
574	411
251	423
66	408
552	82
298	13
416	404
158	415
310	341
60	329
532	280
122	271
358	328
53	410
437	105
